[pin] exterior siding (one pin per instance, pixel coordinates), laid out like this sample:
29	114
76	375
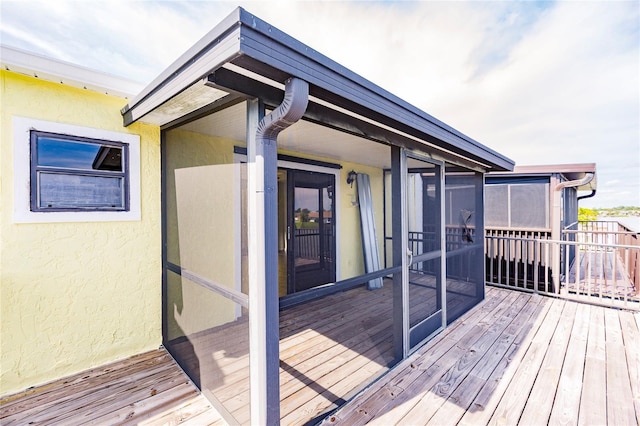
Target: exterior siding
75	295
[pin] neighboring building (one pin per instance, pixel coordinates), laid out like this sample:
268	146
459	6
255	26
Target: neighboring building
175	226
542	199
536	202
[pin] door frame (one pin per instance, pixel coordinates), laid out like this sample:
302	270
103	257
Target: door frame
290	225
290	162
413	337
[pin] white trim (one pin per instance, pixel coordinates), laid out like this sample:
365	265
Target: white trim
57	71
336	197
21	173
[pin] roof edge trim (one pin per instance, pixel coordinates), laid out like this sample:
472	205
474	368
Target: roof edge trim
58	71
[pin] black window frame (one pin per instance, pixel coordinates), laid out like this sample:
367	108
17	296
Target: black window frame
36	169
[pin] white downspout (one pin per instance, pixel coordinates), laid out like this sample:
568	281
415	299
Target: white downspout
263	248
556	231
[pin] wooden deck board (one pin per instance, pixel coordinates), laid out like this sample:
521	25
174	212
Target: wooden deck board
558	369
517	358
593	408
396	388
631	336
566	405
462	398
430	403
602	275
541	399
620	407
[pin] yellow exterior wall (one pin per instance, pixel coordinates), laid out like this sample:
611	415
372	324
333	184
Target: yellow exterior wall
351	259
202	230
75	295
201	227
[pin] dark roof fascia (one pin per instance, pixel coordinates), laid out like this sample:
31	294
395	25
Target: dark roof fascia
267	51
320	114
276	55
185	71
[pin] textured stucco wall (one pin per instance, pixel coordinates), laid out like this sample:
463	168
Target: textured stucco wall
187	149
75	295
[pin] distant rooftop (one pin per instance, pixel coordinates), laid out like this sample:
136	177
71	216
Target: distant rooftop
55	70
570	172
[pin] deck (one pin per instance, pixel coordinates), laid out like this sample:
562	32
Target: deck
516	358
601	274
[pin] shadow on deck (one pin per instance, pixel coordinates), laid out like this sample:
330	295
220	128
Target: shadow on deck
517	357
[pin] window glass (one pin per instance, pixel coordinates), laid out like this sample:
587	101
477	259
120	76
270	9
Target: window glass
78	191
78	155
72	173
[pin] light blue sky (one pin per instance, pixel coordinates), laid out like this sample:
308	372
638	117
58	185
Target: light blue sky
541	82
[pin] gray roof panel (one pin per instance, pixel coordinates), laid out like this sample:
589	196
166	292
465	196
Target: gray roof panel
250	43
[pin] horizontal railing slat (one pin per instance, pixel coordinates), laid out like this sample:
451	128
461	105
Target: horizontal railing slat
592	264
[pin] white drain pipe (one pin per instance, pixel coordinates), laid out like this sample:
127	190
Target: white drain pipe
263	249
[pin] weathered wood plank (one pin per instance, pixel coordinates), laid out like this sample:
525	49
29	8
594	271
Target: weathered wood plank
486	401
620	409
593	406
513	401
70	396
462	365
462	398
399	378
432	371
102	400
540	402
176	411
332	388
631	340
527	353
136	406
566	405
385	392
37	396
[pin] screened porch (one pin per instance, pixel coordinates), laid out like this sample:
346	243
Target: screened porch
287	178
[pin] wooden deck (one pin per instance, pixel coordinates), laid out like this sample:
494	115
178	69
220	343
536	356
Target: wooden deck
516	358
601	274
148	389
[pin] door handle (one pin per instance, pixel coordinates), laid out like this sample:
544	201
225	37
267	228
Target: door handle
410	255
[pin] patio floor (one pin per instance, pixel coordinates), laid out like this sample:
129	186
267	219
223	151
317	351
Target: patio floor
516	358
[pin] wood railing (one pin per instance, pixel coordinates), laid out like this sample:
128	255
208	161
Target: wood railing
598	264
311	244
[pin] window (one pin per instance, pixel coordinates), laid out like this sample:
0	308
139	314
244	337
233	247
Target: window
517	205
69	173
74	173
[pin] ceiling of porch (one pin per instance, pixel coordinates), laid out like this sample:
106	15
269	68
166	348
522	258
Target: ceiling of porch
304	137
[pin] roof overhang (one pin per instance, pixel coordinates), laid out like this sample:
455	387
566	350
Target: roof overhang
566	173
245	57
57	71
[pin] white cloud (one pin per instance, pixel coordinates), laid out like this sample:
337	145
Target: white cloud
542	82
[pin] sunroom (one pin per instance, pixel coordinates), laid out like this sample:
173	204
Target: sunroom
316	228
